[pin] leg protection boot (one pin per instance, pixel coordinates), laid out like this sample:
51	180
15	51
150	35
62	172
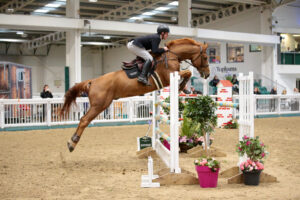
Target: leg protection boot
143	77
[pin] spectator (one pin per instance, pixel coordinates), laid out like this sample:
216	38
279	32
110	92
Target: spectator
213	83
193	91
274	90
46	93
284	92
296	90
273	101
235	84
256	90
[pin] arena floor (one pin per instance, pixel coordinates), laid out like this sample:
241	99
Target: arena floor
37	165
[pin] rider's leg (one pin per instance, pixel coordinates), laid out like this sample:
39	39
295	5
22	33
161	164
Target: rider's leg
143	53
143	77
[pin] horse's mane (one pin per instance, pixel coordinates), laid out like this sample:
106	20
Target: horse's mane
182	41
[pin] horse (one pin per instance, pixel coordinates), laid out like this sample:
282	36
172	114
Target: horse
114	85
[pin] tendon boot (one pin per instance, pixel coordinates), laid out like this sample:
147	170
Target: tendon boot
143	77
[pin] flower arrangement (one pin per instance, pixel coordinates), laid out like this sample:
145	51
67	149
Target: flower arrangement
213	164
231	125
252	147
250	166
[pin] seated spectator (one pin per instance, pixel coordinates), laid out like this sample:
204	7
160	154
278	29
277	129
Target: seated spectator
274	90
296	90
193	91
256	90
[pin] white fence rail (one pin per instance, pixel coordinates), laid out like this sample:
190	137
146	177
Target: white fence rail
45	112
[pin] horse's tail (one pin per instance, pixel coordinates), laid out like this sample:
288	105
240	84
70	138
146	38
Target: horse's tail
73	93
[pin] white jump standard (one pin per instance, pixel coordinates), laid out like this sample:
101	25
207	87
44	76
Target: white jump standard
173	174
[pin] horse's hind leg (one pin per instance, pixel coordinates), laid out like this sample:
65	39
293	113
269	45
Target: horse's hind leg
84	122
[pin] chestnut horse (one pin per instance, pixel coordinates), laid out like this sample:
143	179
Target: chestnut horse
104	89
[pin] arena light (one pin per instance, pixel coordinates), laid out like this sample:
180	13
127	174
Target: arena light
53	5
148	13
162	8
20	32
40	11
106	37
174	3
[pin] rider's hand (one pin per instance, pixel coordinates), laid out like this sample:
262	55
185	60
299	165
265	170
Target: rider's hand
166	49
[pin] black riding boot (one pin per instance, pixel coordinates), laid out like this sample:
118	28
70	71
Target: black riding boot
143	77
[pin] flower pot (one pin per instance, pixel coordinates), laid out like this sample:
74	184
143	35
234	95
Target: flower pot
252	177
184	147
206	177
166	144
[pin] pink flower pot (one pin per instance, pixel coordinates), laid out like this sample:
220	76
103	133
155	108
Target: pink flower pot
206	177
166	144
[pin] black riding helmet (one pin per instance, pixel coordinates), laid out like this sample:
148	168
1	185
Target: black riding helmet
163	28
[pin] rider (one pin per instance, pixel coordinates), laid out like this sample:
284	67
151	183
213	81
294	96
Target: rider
140	45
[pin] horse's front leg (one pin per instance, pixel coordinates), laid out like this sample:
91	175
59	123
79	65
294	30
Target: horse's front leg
186	75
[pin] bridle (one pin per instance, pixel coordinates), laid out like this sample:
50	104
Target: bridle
179	60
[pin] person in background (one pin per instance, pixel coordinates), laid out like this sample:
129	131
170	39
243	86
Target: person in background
235	84
273	101
193	91
213	83
256	90
274	90
46	93
284	92
296	90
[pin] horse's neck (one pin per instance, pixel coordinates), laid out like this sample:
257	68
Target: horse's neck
185	52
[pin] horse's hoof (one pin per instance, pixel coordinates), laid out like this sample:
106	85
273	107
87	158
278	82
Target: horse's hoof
70	147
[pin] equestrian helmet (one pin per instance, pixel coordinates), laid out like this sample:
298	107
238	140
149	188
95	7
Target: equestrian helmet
163	28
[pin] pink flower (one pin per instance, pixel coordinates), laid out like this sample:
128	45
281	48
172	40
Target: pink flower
248	143
242	166
201	139
245	137
263	155
190	140
182	139
262	144
260	166
240	149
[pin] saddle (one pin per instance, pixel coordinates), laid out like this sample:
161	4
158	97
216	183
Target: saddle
134	67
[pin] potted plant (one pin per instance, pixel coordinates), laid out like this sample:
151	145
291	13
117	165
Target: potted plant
255	152
201	111
207	169
232	124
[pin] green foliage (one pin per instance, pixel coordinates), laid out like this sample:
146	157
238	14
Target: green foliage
232	125
201	111
181	106
188	128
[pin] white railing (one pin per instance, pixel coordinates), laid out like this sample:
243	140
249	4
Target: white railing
46	112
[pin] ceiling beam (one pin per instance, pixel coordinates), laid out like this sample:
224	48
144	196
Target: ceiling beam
14	5
30	22
134	7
